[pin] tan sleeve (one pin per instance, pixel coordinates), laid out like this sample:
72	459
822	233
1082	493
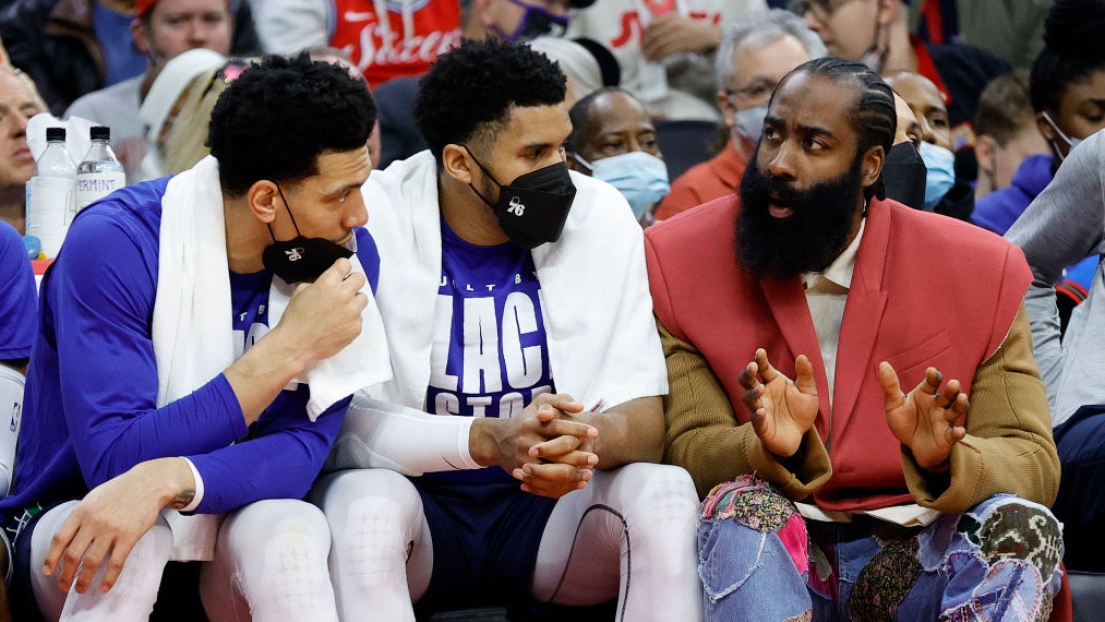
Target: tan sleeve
704	437
1008	447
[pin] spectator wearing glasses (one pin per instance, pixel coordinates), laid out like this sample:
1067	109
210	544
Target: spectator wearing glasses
754	54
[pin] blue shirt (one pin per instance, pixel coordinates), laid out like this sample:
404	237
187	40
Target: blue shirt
19	299
121	59
90	410
998	210
490	355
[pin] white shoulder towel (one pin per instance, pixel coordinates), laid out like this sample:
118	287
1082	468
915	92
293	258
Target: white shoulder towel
193	321
603	345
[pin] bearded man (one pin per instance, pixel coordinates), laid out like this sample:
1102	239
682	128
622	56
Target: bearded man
792	319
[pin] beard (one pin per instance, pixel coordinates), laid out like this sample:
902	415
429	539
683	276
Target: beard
806	241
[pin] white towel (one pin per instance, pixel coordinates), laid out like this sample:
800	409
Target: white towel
602	339
192	321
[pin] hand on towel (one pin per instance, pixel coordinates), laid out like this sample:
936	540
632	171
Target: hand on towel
325	316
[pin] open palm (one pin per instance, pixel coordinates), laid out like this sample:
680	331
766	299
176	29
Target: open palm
782	410
924	420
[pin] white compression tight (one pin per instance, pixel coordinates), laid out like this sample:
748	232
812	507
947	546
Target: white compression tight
134	593
269	566
630	534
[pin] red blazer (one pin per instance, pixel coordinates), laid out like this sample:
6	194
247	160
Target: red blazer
927	290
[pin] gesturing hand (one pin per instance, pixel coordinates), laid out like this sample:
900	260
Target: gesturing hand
925	419
782	410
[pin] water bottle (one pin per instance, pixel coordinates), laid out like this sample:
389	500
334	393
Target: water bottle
100	173
50	193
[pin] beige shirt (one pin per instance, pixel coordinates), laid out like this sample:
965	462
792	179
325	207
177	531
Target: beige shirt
826	295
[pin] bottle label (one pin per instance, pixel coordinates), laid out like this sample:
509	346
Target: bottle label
49	202
91	187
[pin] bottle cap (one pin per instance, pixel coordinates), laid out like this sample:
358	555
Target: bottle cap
100	132
55	133
32	245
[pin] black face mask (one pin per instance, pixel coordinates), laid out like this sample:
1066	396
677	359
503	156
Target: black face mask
904	174
301	258
533	208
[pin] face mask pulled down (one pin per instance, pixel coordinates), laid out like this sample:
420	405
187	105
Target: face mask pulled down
301	258
533	208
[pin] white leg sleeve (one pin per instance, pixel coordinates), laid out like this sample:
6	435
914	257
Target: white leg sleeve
270	566
11	411
132	597
382	556
630	533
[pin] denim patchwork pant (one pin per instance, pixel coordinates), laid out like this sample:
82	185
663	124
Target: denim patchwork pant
759	560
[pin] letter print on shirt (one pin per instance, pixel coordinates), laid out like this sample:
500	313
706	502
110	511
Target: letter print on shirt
489	355
249	302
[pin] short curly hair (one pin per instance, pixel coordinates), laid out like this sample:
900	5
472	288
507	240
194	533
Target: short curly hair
469	91
281	114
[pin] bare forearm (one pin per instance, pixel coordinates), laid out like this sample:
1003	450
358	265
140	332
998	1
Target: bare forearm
169	480
629	432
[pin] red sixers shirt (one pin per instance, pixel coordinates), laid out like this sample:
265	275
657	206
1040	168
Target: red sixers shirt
395	47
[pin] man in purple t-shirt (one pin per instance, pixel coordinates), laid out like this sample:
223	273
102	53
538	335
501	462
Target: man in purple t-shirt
128	415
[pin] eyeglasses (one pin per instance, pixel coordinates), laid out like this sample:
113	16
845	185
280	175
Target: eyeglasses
751	95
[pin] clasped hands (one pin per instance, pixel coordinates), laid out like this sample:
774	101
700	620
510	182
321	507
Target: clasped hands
923	420
547	446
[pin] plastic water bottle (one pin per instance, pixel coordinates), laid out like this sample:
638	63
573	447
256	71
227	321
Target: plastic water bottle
50	193
100	173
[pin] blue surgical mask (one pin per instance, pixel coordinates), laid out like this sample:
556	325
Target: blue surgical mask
750	122
941	172
641	177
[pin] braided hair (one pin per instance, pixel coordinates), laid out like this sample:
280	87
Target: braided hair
874	117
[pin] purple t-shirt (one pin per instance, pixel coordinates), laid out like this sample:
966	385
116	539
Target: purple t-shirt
490	357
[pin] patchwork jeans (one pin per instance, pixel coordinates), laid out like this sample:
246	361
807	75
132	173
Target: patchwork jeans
760	560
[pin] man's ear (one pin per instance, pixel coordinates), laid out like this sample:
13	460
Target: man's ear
890	11
728	112
139	36
872	165
264	200
457	163
986	147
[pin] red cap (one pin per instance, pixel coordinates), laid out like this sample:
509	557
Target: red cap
141	7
